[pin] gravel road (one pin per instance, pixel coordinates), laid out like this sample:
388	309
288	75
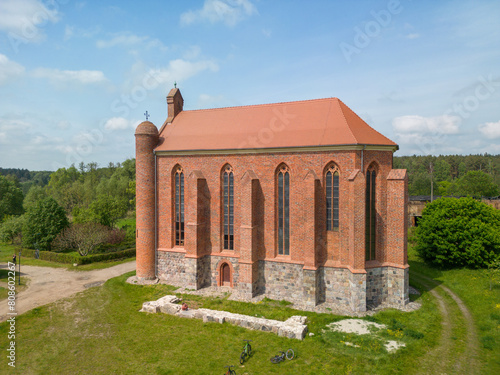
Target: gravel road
47	284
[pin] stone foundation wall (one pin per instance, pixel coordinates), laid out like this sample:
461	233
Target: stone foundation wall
172	268
291	282
398	286
310	287
204	271
376	286
335	286
357	283
281	280
387	285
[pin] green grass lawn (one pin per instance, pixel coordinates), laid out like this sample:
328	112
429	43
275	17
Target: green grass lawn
473	287
101	331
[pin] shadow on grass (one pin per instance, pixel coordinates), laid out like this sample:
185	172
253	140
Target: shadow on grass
422	276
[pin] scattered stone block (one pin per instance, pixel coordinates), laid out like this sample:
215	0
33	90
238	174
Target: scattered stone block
295	327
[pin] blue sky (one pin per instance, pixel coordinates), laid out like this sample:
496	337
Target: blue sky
77	76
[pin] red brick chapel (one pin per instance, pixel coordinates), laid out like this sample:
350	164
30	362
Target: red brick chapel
294	201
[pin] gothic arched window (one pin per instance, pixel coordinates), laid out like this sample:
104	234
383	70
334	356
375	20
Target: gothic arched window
283	210
332	197
179	206
371	214
228	202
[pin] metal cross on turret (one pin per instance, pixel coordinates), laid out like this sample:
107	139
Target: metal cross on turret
147	115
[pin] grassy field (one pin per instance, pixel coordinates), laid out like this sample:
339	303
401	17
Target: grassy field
473	287
101	331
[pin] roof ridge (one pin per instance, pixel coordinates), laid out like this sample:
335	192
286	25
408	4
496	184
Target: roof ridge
260	105
345	119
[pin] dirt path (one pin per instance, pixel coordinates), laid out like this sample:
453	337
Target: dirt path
442	360
50	284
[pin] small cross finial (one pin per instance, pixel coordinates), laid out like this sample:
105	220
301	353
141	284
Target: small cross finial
147	115
175	85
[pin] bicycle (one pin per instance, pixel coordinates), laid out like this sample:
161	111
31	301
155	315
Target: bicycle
229	371
247	352
281	357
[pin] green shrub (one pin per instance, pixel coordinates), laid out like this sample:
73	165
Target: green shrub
459	233
72	258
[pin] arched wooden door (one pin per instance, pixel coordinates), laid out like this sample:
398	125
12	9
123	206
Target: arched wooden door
226	275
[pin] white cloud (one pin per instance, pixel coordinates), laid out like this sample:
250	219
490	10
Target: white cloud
229	12
413	36
420	125
192	53
9	69
205	100
426	135
57	76
129	39
12	125
73	32
180	70
22	19
121	39
117	123
490	129
63	125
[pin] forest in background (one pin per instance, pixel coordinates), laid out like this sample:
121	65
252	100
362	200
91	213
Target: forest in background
79	189
452	175
76	202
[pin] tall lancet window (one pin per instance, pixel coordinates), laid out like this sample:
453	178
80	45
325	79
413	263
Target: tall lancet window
371	214
228	200
332	198
283	211
179	207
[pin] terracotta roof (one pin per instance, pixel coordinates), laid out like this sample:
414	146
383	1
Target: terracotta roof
320	122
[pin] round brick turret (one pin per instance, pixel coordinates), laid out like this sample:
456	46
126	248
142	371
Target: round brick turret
146	139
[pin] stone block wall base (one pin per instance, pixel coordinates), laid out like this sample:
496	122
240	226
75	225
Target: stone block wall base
398	286
387	285
357	283
245	291
310	287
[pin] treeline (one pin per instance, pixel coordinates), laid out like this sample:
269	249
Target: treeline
26	178
77	201
453	175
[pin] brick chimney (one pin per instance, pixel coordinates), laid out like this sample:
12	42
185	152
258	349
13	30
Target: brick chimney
175	102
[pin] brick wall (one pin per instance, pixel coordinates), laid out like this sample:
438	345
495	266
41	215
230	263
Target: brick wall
328	255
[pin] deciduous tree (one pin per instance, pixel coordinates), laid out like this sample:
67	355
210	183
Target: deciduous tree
43	223
11	198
